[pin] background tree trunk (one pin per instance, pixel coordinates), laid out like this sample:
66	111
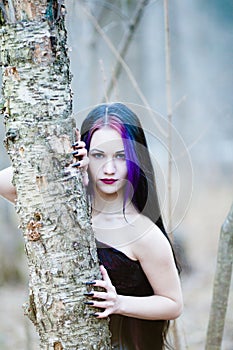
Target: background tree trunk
52	206
222	284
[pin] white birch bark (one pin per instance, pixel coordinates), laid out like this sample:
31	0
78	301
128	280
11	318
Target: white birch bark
222	283
59	242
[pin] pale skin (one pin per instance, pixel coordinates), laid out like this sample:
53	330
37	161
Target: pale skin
138	237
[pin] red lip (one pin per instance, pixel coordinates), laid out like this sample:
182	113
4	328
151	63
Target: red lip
108	181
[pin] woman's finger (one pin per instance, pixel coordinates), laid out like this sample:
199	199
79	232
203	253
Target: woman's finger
105	275
81	163
100	304
103	314
97	295
100	283
77	135
79	153
78	145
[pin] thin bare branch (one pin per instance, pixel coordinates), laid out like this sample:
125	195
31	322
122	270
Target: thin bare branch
124	65
107	5
122	49
115	82
179	103
169	112
104	79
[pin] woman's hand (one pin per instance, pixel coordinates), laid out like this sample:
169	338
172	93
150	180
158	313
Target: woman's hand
109	300
80	158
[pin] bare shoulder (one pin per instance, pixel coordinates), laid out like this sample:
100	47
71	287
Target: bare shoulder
152	242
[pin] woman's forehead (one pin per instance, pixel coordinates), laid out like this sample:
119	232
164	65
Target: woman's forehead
106	137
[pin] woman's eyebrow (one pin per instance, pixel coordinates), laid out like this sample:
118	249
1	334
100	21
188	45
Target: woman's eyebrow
96	150
122	151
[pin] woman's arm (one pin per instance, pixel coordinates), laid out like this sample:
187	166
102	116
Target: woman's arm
156	258
7	190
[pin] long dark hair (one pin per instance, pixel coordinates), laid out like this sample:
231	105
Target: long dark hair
140	169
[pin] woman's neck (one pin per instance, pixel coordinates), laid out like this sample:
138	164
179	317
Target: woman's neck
110	205
104	207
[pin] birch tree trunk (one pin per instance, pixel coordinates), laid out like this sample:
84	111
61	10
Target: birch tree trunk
222	284
52	207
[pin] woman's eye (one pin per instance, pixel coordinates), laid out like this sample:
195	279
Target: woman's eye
120	156
98	155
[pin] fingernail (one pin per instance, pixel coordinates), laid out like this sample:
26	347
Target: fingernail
75	152
75	164
89	294
75	144
89	283
88	302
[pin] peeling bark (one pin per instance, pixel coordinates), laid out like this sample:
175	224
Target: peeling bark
52	207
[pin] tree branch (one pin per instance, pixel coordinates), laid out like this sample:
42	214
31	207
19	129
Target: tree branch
124	65
122	49
169	113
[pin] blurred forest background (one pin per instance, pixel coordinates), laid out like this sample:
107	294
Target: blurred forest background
201	37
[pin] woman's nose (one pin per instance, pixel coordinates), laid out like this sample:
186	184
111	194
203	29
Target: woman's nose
109	167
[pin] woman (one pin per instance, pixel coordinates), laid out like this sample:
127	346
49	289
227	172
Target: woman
141	287
141	279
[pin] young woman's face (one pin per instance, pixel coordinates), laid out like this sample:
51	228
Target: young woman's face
107	167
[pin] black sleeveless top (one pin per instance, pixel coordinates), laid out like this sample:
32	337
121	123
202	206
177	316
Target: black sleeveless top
128	278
